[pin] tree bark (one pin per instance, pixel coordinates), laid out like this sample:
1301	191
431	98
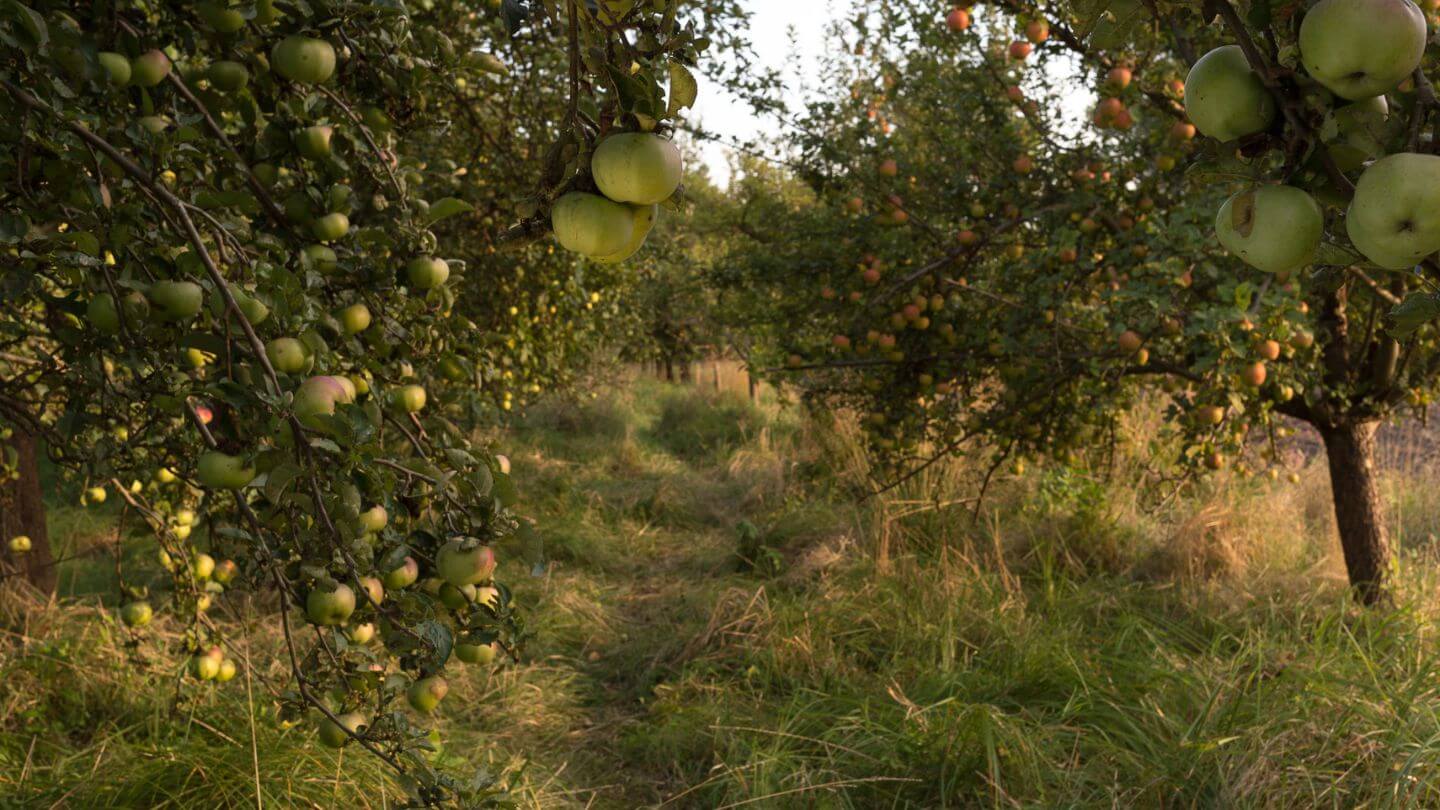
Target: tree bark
22	511
1359	514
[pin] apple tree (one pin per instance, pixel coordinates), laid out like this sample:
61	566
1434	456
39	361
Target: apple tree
234	297
1239	218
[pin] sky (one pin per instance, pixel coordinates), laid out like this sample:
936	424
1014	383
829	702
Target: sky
773	24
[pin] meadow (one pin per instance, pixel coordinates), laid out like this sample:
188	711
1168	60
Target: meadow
726	616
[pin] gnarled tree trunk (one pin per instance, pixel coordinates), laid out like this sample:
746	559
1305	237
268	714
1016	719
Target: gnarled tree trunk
1359	513
22	511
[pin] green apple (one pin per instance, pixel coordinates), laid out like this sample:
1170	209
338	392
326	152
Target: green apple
333	734
318	396
202	565
476	653
303	59
1362	48
20	544
1394	217
177	300
117	67
153	124
354	319
253	309
426	272
361	633
102	314
289	355
135	306
1272	228
465	562
452	369
374	519
455	598
409	398
221	18
1356	132
591	225
330	227
149	68
637	167
403	575
319	258
314	142
1224	98
425	694
330	604
218	470
226	672
227	76
265	12
137	614
95	495
645	216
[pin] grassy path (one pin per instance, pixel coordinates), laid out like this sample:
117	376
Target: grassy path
638	501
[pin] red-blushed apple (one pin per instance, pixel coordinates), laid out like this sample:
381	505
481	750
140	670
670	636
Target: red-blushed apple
1130	341
958	19
403	575
1254	374
425	694
465	562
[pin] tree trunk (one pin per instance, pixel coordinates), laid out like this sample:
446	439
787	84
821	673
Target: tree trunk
1358	511
22	511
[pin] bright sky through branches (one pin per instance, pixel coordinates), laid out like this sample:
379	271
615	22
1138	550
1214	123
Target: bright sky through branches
790	36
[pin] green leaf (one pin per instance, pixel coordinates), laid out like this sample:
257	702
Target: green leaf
448	207
1331	253
1414	312
31	21
280	478
683	89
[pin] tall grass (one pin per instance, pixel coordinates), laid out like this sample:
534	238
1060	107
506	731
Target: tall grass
729	617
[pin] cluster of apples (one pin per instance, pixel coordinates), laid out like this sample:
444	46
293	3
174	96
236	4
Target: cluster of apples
635	172
460	580
1359	51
